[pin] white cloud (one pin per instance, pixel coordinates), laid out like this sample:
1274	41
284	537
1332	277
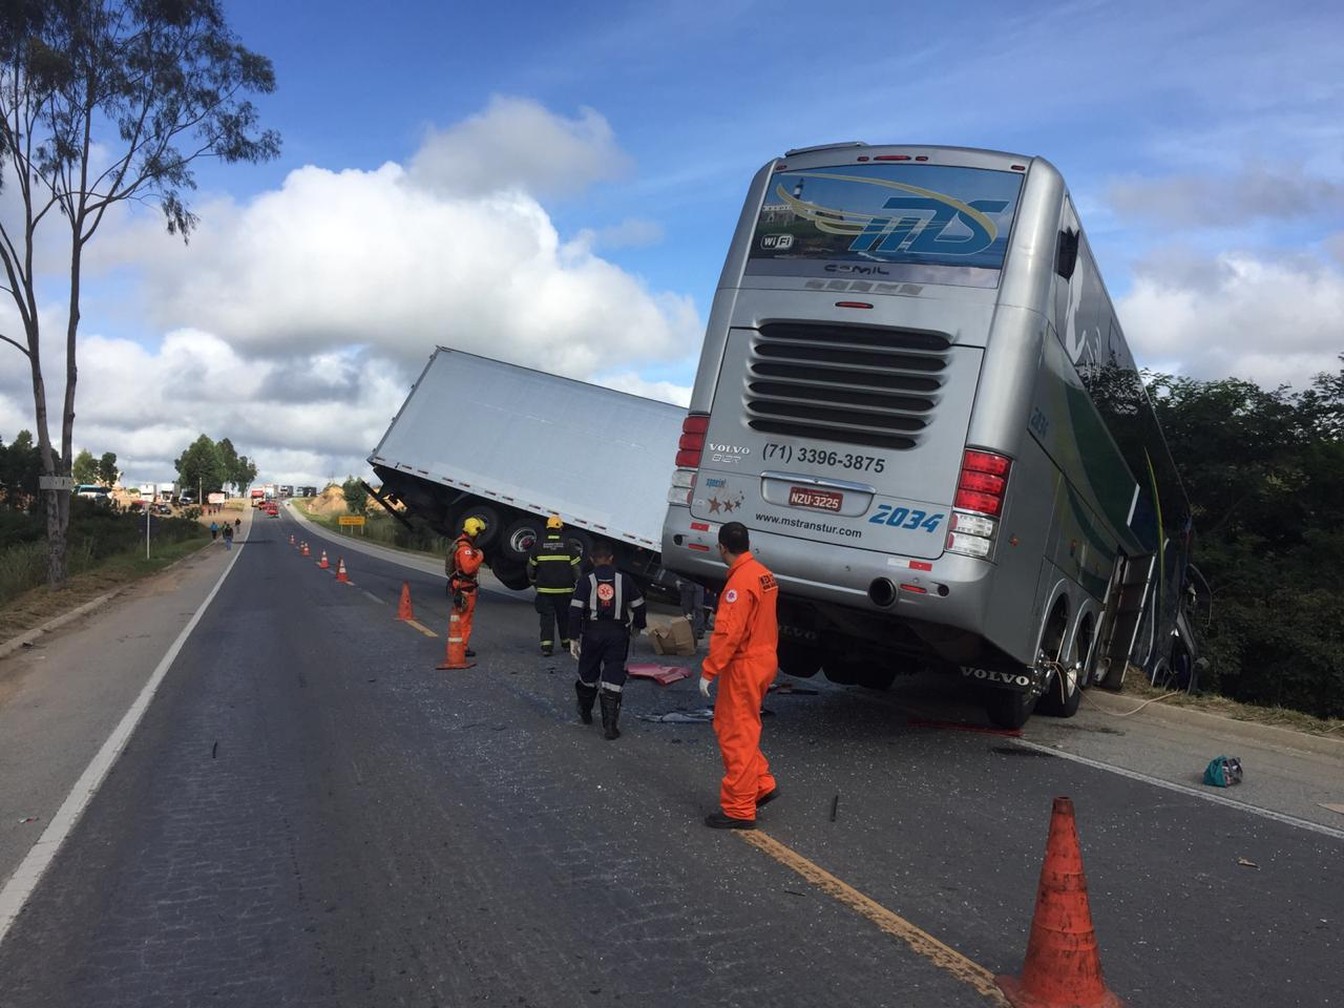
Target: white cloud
519	145
294	322
1268	321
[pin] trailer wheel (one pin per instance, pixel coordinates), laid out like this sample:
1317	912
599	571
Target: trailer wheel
581	541
519	537
487	514
510	574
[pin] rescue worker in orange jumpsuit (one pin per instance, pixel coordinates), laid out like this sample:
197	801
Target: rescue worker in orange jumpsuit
464	563
742	657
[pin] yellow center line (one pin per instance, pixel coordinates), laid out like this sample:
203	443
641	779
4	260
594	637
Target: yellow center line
421	627
921	942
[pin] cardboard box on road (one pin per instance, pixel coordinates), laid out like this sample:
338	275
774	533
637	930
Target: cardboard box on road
676	638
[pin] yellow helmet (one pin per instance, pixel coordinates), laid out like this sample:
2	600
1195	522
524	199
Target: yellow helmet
473	526
554	522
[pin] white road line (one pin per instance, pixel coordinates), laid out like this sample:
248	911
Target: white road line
1209	796
30	871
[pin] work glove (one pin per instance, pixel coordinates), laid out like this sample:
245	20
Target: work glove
704	686
574	649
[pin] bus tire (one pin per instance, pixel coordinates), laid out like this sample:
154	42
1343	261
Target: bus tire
1009	708
1053	704
843	672
800	660
877	678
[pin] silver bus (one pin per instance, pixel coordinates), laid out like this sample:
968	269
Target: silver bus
915	394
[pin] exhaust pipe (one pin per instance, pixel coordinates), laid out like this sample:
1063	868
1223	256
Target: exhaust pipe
882	592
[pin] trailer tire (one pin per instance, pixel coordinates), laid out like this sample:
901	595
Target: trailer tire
519	537
510	574
487	514
581	541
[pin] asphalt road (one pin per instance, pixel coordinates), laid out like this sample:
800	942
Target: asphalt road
309	813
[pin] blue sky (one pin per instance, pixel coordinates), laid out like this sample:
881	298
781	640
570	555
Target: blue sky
557	185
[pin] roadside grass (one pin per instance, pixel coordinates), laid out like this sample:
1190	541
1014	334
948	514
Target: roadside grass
24	610
1138	687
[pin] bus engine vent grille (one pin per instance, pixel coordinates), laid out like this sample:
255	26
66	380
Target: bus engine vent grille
852	384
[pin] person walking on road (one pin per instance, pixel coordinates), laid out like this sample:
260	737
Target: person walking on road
742	657
214	531
228	536
463	565
606	606
553	567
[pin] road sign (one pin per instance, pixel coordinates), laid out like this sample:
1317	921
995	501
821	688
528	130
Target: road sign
56	482
350	520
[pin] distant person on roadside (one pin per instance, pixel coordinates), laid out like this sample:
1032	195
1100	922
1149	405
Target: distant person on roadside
463	565
214	530
692	599
228	537
553	568
742	657
606	606
237	525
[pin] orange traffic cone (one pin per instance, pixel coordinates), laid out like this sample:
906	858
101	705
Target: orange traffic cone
303	550
323	562
456	656
340	571
404	610
1062	968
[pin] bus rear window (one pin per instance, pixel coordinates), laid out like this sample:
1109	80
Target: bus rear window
912	222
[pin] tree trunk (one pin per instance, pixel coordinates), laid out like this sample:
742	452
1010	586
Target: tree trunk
58	524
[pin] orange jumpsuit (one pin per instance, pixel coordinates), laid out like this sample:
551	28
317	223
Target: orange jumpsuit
467	560
742	657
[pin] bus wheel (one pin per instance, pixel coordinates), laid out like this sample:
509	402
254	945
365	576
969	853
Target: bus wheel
1062	694
801	660
1009	708
842	672
877	678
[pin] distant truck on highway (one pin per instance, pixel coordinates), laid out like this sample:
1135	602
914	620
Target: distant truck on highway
510	445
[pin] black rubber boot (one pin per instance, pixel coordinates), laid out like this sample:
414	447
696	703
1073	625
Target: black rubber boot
611	710
587	694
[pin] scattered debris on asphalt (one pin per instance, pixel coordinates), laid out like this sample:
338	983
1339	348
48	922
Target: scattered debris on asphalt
661	674
680	717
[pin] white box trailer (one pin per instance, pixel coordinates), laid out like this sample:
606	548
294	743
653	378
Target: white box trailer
512	444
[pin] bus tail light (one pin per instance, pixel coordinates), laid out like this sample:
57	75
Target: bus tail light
690	448
692	443
978	503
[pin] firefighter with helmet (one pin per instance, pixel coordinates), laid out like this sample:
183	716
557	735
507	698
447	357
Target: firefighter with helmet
464	564
553	568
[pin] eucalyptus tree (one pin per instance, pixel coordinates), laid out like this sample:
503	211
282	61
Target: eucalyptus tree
104	102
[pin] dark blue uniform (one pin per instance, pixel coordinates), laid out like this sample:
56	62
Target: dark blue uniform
606	606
